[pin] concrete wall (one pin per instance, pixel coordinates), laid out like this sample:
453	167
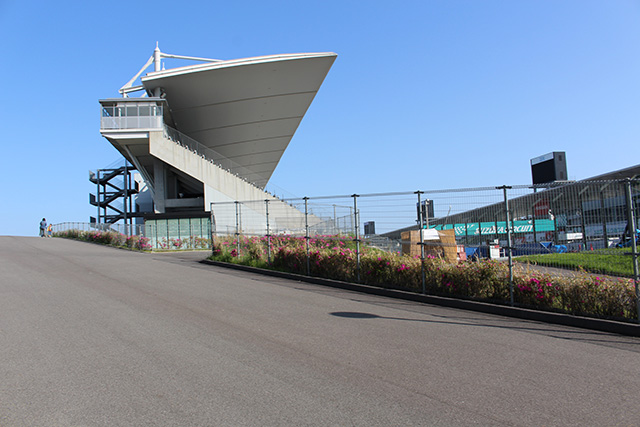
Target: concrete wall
222	186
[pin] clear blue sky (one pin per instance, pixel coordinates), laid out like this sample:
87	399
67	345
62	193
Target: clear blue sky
424	94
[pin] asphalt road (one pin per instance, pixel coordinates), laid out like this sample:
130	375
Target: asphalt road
96	336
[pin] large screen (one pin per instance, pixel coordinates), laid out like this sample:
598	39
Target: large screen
549	168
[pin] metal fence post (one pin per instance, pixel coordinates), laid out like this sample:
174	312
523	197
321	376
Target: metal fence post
306	232
351	220
421	242
126	195
552	214
583	225
466	234
356	220
237	230
266	203
509	245
634	248
603	218
533	219
212	227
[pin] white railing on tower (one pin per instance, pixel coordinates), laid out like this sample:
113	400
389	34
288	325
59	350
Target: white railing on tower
214	157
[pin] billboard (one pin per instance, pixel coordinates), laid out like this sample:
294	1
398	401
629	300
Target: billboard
549	168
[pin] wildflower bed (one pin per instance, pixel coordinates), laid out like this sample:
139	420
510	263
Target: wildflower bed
111	238
140	243
335	257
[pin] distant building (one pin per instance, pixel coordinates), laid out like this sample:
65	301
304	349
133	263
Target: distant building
591	213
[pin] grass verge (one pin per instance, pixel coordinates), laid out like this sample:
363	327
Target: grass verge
612	262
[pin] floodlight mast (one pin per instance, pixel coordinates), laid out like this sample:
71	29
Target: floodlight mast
156	60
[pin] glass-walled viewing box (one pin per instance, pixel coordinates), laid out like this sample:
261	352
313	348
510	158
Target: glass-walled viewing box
131	113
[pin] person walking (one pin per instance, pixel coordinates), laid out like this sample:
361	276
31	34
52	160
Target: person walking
43	227
50	230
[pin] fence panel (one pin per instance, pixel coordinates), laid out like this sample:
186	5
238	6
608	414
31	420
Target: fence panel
588	218
162	234
570	233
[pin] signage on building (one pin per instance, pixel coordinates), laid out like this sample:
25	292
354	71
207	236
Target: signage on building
489	228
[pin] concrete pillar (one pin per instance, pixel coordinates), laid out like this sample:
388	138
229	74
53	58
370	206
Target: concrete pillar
159	194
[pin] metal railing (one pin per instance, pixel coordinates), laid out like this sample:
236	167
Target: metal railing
164	234
141	114
150	117
136	122
214	157
126	229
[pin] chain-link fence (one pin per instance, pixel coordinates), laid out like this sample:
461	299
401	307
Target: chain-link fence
557	230
156	234
126	229
570	247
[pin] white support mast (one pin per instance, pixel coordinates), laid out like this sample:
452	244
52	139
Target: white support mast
156	59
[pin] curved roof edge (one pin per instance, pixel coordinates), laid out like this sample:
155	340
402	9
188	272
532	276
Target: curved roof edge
233	63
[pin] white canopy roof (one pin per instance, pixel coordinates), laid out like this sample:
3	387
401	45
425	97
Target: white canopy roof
246	109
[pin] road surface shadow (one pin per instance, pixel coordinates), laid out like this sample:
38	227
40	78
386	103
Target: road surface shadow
594	337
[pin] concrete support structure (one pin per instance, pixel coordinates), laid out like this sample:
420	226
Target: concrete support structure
215	131
159	195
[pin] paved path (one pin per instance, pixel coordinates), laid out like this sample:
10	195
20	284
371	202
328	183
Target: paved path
96	336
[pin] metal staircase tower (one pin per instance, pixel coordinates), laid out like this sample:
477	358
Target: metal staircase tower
114	198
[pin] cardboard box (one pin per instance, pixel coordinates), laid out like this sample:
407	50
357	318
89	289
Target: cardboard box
438	243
